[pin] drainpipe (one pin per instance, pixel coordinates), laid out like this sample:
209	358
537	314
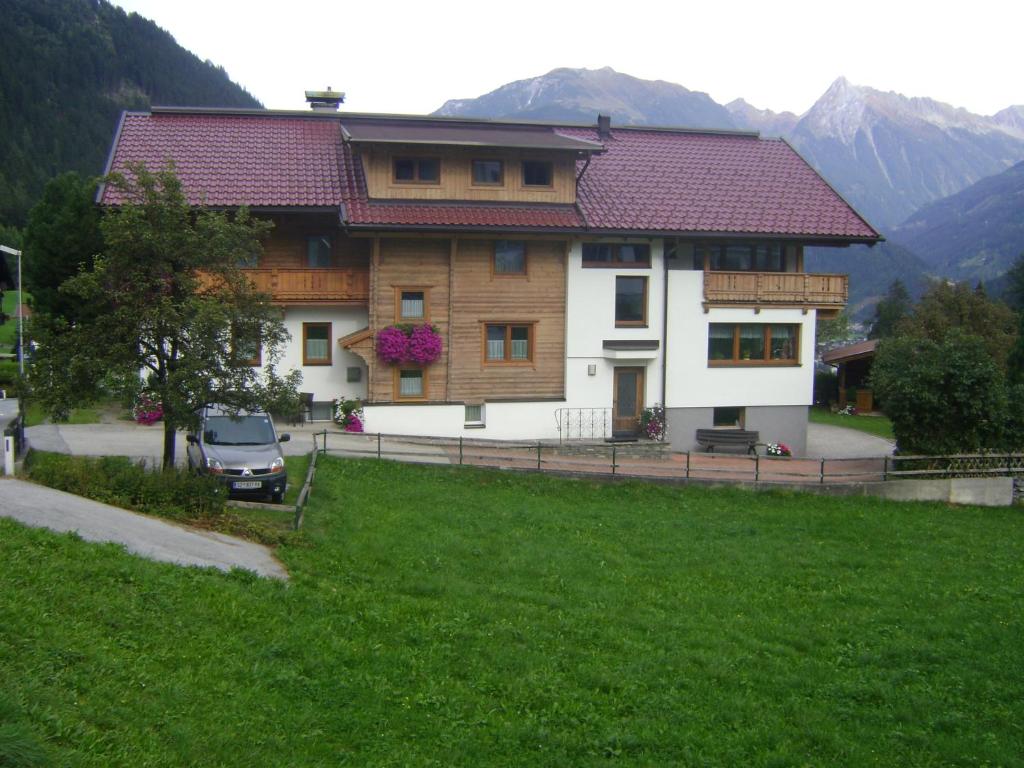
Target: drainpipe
664	330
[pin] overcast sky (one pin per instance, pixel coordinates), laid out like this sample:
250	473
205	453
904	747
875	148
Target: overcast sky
410	57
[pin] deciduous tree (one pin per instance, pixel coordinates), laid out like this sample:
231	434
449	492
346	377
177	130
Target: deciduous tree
890	311
168	299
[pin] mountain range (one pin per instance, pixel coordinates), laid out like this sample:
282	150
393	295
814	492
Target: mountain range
889	155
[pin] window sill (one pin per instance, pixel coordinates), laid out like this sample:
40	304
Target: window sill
753	364
474	425
306	363
631	325
613	265
508	364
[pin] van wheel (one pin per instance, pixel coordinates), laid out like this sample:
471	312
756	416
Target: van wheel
277	497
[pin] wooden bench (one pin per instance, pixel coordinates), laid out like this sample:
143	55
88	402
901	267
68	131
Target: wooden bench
727	438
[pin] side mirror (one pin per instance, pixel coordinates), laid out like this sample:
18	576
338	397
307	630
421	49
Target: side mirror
191	439
284	438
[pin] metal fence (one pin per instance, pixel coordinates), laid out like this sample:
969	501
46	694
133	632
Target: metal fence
583	423
624	460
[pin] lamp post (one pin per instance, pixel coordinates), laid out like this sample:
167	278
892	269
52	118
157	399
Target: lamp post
21	313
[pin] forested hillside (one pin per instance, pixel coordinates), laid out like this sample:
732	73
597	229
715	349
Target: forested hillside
67	69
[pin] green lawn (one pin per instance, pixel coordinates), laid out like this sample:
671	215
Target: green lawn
463	617
879	426
35	415
9	330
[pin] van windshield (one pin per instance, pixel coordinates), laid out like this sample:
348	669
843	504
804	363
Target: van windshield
238	430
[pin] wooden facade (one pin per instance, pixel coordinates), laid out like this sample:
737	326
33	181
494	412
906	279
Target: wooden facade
285	271
456	179
462	297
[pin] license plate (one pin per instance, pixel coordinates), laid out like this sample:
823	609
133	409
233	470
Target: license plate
247	484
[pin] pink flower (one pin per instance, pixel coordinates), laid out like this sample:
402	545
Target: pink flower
392	345
424	345
353	423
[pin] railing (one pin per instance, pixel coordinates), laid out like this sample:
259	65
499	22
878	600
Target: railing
583	423
312	284
795	288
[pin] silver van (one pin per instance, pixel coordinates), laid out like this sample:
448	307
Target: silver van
242	449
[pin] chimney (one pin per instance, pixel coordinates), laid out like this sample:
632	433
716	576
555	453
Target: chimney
604	126
325	101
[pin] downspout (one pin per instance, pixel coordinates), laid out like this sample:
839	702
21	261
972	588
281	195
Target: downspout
664	331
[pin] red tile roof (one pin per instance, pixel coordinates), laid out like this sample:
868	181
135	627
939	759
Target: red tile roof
647	180
654	180
229	160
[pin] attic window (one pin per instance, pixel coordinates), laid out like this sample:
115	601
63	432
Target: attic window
537	173
490	173
417	170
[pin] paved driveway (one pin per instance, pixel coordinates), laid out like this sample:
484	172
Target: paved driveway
148	537
827	441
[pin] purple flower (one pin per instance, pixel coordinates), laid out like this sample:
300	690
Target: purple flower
392	345
424	345
353	423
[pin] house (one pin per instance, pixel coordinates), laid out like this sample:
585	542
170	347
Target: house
853	362
576	274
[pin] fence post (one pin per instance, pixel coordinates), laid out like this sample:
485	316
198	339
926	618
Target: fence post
460	450
821	472
325	441
538	455
687	465
378	445
614	463
885	468
757	468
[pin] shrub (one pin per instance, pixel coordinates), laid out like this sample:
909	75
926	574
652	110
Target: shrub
117	480
826	387
653	424
8	373
943	397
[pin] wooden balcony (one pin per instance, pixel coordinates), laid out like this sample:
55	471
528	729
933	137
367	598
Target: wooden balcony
312	285
826	293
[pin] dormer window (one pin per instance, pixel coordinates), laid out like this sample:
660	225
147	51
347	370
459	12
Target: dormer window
488	173
417	170
537	173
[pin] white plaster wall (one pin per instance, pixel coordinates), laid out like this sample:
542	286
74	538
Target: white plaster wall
692	383
326	382
503	421
590	319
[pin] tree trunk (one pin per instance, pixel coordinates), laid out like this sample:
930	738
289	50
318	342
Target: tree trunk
169	436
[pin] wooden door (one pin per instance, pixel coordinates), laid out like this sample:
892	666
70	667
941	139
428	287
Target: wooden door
627	401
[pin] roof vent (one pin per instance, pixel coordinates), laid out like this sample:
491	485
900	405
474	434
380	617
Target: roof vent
325	101
604	126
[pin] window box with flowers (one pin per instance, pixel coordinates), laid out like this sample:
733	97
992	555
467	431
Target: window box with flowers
419	344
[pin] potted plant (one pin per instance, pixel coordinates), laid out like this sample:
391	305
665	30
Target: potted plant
348	414
408	343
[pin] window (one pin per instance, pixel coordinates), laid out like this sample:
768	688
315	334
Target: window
249	260
318	251
316	343
508	343
728	417
249	353
537	173
616	255
630	301
744	257
490	173
410	304
410	384
753	343
509	257
474	416
417	170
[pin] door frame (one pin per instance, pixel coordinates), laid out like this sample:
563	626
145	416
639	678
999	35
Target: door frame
641	374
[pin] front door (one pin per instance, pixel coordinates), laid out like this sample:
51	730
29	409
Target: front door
627	401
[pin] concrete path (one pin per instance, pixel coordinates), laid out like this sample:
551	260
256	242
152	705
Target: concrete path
827	441
148	537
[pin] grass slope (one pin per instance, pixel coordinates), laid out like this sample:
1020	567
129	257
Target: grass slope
880	426
464	617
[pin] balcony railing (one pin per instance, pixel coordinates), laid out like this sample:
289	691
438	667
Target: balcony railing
794	289
312	284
